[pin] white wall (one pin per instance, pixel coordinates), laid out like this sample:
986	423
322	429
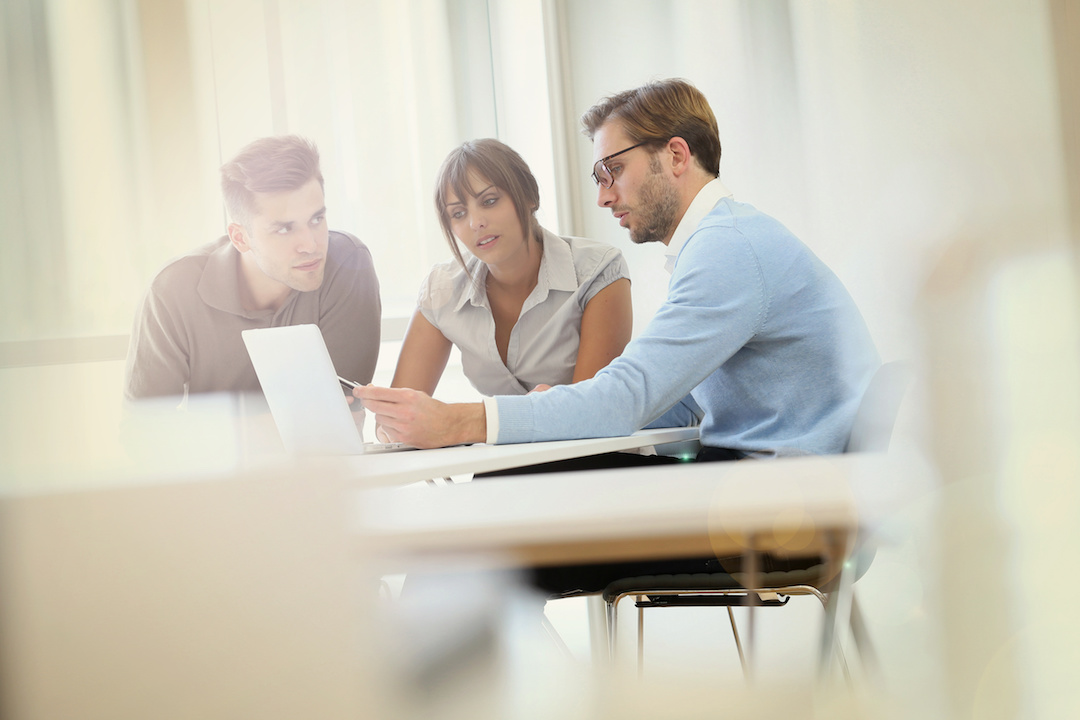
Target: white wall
875	131
725	48
926	121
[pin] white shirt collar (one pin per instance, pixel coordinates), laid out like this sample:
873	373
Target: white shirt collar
702	205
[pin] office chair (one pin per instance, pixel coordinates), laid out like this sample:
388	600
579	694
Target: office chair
871	432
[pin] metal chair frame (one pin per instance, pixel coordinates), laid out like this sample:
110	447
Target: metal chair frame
872	432
729	598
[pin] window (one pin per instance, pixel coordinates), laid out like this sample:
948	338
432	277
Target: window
124	110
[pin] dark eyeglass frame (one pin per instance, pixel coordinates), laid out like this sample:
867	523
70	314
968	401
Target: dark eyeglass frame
601	164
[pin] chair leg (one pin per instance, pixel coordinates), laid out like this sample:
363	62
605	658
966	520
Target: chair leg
751	565
841	658
838	608
861	636
640	638
738	644
555	637
613	630
599	629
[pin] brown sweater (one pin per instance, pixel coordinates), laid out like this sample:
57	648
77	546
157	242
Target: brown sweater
187	333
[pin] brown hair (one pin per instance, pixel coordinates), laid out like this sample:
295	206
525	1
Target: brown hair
500	165
269	164
656	112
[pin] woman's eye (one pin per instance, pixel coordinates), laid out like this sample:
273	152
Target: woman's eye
489	201
457	214
282	230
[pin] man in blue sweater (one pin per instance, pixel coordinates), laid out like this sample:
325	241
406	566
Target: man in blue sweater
757	340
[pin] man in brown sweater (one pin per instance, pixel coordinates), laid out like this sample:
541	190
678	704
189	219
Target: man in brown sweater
278	265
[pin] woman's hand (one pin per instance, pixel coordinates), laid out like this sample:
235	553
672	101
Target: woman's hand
381	435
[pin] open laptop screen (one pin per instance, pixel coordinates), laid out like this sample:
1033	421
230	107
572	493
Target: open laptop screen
302	390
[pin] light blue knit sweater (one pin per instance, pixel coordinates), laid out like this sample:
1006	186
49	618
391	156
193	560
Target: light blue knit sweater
757	338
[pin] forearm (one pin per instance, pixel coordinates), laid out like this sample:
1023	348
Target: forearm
350	316
635	389
468	424
564	412
685	413
424	353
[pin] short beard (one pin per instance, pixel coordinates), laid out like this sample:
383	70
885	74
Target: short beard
658	208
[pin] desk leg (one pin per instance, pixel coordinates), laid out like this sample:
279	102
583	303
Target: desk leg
599	635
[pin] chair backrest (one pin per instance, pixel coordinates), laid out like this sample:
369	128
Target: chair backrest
874	422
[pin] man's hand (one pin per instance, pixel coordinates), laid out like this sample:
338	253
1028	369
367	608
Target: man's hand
416	419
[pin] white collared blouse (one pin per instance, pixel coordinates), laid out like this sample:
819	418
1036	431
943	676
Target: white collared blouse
544	342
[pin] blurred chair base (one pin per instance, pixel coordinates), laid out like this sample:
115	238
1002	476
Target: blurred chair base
727	590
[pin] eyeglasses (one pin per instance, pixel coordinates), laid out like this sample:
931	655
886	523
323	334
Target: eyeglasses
601	173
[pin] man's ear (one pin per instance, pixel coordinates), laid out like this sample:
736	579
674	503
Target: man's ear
681	159
238	236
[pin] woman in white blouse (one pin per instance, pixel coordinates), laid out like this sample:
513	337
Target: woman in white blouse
526	307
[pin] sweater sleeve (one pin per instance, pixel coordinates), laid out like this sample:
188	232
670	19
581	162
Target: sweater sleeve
350	318
158	362
716	302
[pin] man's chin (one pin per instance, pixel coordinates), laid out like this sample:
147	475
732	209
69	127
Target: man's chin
643	238
307	284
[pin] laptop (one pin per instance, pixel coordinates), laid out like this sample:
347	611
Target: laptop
302	389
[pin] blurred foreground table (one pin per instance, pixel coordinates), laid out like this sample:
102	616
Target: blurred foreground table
807	506
787	506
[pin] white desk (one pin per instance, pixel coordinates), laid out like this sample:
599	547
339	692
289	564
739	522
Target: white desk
785	506
788	507
399	468
796	506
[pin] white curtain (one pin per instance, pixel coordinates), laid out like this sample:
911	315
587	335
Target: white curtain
123	111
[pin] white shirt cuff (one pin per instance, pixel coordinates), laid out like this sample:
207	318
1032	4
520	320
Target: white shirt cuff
491	411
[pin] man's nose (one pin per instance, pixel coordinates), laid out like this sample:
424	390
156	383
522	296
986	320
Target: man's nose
605	196
309	241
